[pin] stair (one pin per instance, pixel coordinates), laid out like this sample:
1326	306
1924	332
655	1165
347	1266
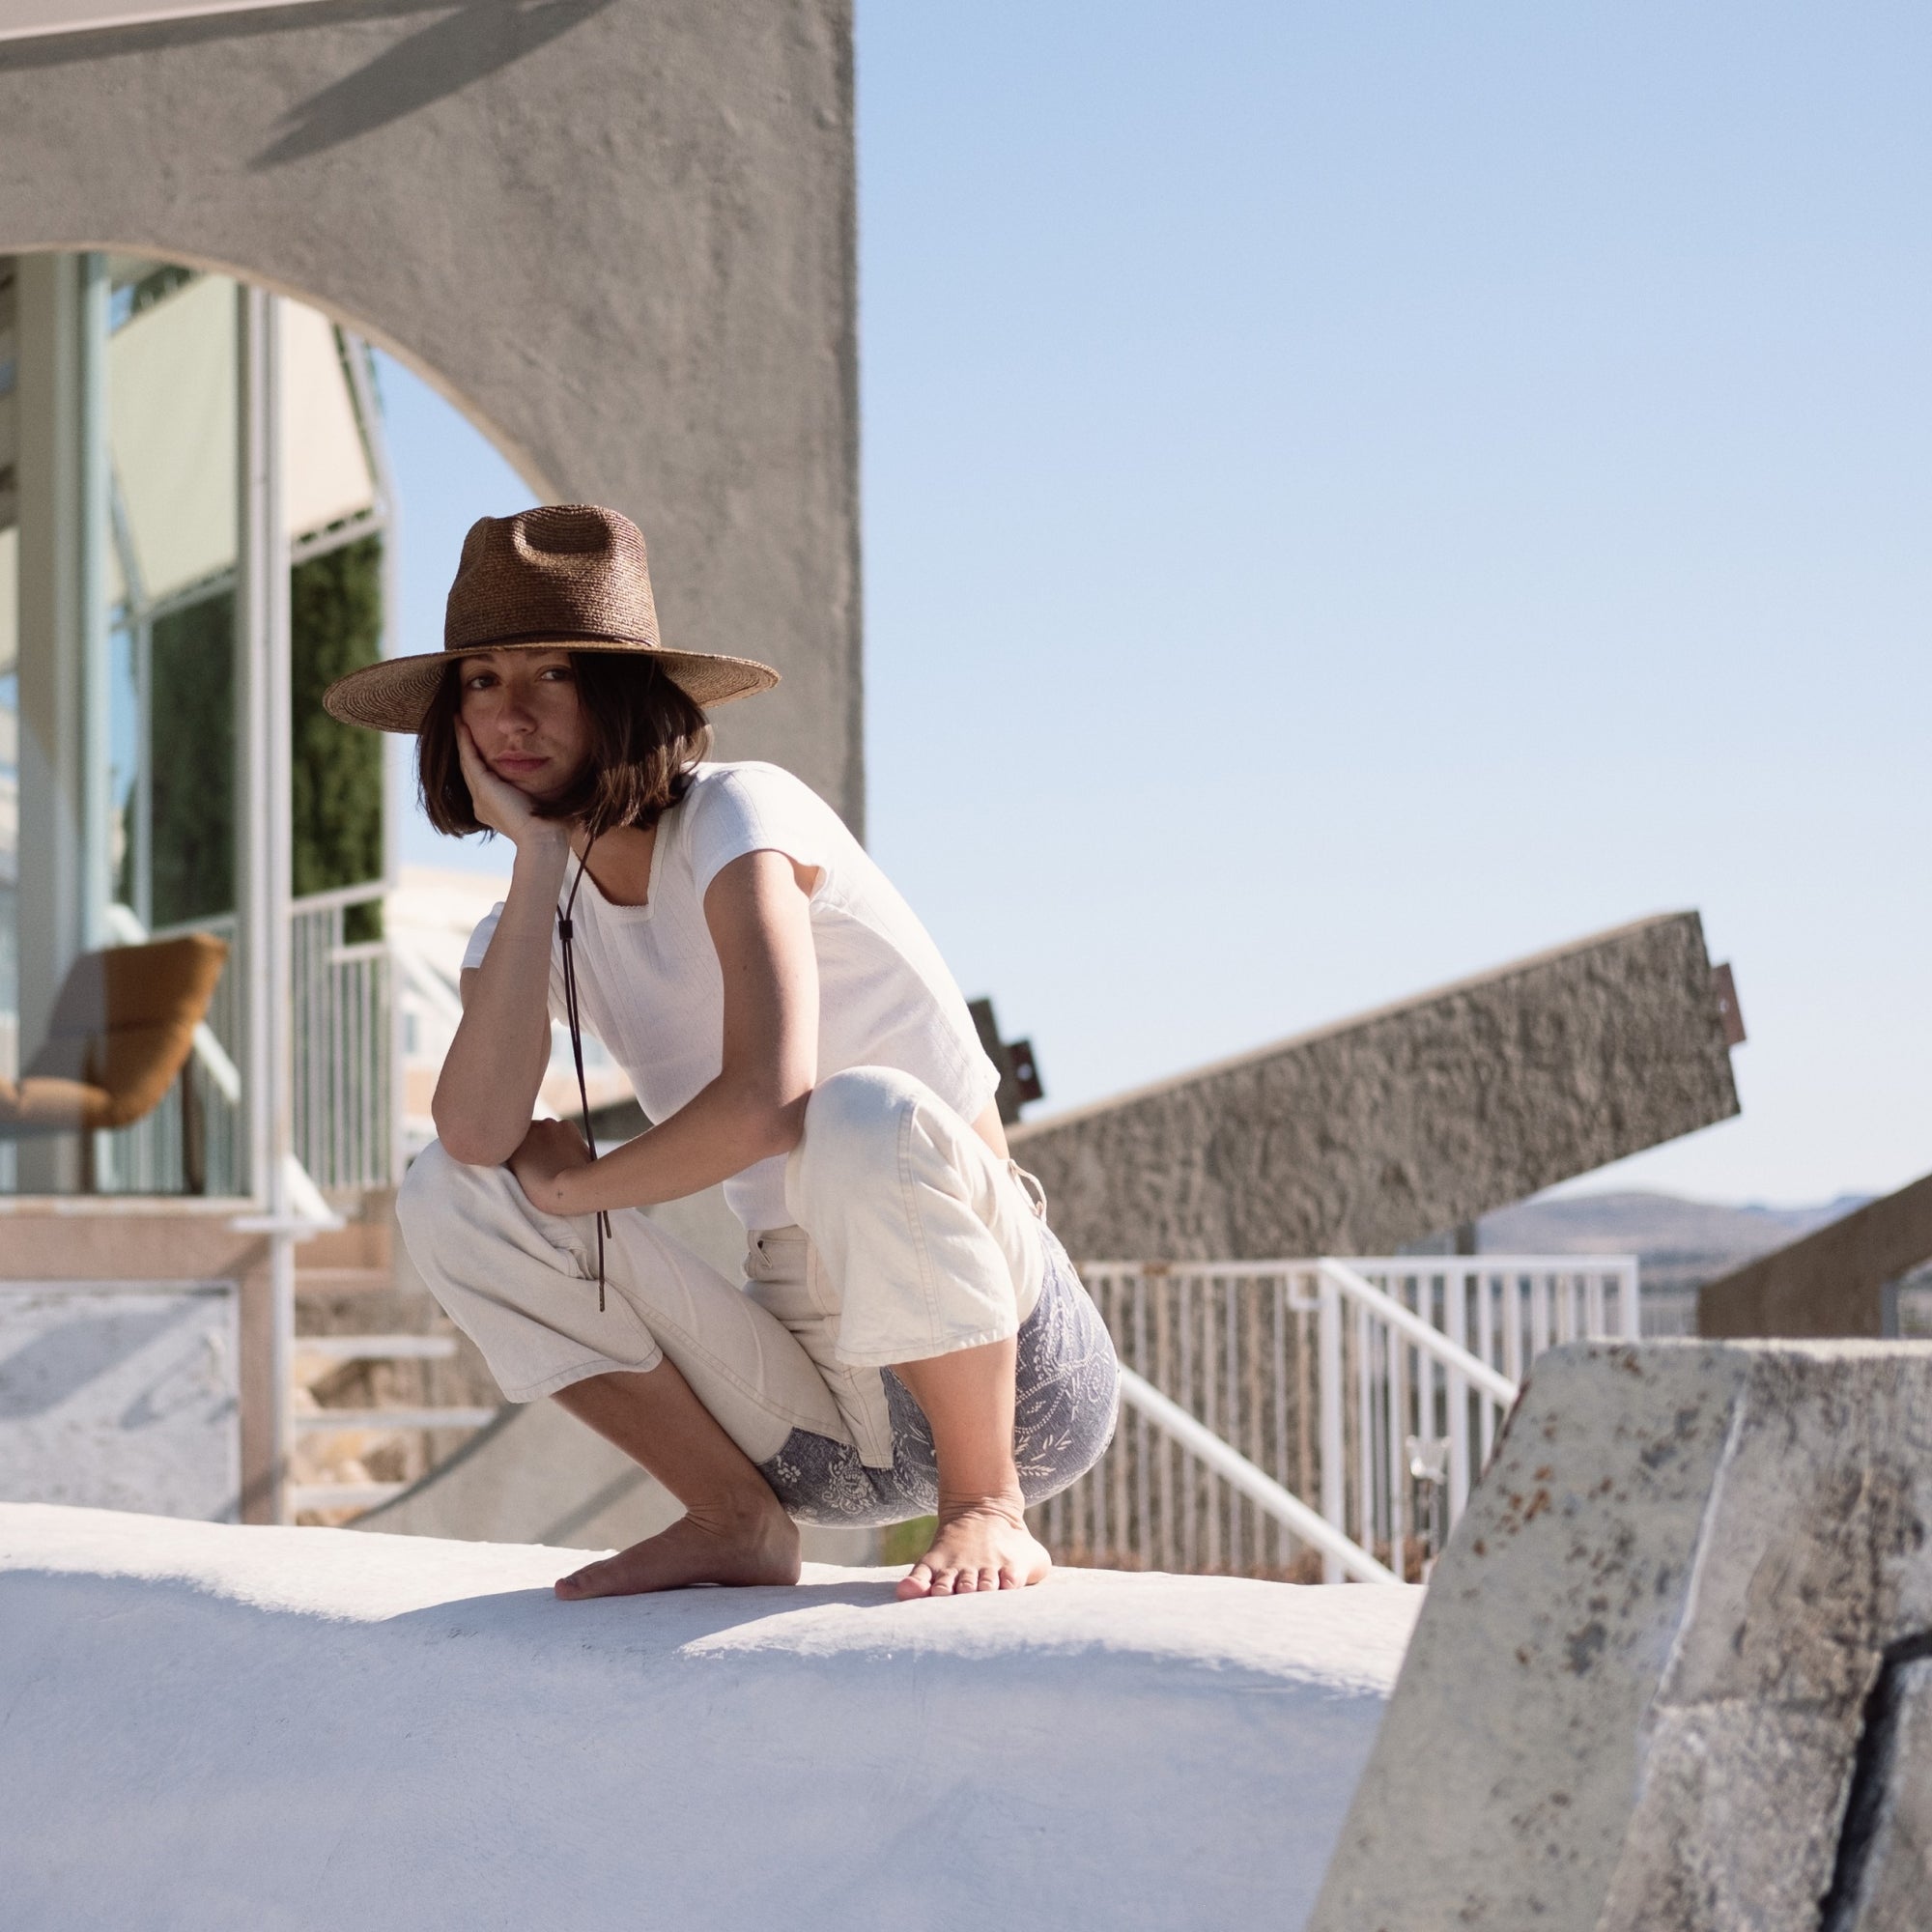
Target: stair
383	1387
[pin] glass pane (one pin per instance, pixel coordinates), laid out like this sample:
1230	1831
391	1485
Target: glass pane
331	491
173	516
335	626
120	921
191	800
122	658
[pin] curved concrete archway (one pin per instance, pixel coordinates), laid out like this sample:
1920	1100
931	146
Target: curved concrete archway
618	234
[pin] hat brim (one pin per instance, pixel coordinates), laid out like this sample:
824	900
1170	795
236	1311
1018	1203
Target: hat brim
394	695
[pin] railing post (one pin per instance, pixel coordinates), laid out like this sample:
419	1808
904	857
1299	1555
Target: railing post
1328	1353
1455	1281
266	754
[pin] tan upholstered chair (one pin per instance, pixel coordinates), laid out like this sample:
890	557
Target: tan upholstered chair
122	1031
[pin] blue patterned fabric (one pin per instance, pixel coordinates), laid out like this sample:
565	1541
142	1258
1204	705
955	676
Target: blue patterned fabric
1067	1390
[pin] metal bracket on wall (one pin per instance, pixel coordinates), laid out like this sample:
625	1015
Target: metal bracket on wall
1728	1009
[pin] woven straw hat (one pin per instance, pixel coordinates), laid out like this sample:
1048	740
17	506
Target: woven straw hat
565	577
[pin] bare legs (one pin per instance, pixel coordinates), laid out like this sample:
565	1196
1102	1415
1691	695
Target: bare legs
733	1529
983	1542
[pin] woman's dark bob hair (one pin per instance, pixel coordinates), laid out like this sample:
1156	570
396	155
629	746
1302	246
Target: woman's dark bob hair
645	735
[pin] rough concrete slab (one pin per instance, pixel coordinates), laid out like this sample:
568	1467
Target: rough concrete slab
235	1729
1636	1694
1389	1127
1831	1281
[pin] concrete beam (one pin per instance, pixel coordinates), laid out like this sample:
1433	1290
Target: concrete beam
618	234
1833	1281
1390	1127
1637	1697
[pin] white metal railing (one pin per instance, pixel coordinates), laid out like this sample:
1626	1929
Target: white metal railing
347	1062
1274	1502
1368	1391
346	1056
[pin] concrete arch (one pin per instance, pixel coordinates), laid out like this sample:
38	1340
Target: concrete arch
618	234
147	249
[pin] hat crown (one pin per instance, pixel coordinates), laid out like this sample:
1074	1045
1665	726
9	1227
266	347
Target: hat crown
571	571
571	575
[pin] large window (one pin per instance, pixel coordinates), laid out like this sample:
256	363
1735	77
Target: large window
132	657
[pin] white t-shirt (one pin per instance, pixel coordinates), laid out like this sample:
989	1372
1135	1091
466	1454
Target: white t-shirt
650	988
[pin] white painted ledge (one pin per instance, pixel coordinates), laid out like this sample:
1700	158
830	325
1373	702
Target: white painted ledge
237	1728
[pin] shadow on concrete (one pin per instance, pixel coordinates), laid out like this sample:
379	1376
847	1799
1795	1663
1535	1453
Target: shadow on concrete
536	1622
665	1622
442	59
40	1376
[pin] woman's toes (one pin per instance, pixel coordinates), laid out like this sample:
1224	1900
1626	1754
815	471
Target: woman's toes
577	1583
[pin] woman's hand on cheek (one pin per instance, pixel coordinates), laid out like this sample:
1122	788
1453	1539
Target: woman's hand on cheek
551	1150
497	803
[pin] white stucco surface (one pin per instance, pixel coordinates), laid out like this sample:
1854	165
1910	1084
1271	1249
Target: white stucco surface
263	1728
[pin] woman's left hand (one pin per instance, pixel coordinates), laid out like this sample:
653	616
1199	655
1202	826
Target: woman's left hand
551	1150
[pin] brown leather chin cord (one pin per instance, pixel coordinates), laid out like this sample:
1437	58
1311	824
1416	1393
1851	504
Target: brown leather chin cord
565	932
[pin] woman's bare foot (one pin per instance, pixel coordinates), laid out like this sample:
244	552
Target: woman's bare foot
982	1545
756	1544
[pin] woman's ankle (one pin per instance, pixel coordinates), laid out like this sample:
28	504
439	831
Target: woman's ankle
1003	1498
738	1510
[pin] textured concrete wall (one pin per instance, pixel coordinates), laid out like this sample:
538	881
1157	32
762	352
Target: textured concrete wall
1830	1283
620	234
1641	1695
1391	1126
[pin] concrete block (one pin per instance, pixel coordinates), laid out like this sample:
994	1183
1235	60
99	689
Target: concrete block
1884	1881
1639	1689
121	1395
1382	1129
233	1728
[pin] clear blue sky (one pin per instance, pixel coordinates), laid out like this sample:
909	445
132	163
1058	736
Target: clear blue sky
1354	496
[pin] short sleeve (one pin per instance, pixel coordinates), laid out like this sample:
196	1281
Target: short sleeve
479	940
754	809
479	944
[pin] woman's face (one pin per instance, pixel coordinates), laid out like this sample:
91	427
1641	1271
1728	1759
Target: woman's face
522	710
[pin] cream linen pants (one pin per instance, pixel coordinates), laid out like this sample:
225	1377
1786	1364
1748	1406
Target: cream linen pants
911	1239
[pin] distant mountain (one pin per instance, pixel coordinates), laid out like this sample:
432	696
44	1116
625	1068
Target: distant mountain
1681	1244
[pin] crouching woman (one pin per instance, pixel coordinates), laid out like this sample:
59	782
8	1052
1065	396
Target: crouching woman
909	1337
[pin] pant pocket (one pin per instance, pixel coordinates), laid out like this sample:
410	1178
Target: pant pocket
860	1396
